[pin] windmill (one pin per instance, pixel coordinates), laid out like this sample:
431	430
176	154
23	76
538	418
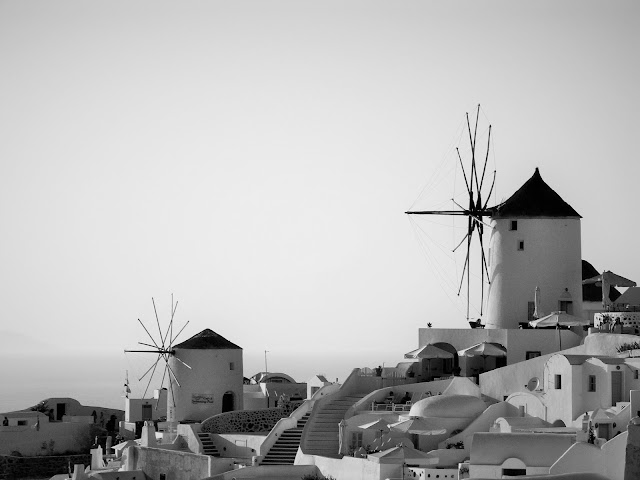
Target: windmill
475	210
163	348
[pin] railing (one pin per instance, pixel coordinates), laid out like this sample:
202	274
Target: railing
390	407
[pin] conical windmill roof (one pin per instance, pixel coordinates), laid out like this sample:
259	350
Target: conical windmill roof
534	199
208	339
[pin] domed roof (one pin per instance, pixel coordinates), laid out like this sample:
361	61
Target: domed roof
448	406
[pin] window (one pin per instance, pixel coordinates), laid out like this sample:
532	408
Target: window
635	374
314	390
356	440
232	366
514	225
22	423
592	383
514	472
533	354
520	244
558	382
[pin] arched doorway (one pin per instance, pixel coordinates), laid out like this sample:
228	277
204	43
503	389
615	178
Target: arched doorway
448	366
228	402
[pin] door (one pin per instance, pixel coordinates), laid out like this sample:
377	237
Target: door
616	387
61	411
147	413
227	402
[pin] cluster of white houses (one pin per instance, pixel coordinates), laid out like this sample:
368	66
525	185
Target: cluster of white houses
554	401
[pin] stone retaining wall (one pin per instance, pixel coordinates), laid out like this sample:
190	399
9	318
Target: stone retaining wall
13	467
248	421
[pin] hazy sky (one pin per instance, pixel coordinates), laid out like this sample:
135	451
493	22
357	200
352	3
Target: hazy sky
255	158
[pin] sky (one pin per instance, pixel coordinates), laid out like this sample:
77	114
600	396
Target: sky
254	159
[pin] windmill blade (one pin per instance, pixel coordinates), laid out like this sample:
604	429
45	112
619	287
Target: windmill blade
150	336
170	326
461	242
464	268
151	377
148	345
150	368
176	337
464	174
182	362
437	212
157	320
173	374
484	260
472	141
173	398
490	190
484	169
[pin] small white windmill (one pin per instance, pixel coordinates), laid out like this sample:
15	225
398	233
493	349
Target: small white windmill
163	348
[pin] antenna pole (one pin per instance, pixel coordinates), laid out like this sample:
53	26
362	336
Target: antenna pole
266	370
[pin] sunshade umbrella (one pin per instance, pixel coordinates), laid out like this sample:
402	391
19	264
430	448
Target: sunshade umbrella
559	319
402	452
484	350
608	279
341	442
416	425
562	319
537	299
429	352
379	425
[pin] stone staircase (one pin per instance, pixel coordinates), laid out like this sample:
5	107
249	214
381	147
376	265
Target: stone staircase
284	451
208	448
322	432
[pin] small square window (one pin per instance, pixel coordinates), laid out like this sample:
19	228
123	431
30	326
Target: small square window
520	244
22	423
635	375
532	354
232	366
592	383
514	225
558	382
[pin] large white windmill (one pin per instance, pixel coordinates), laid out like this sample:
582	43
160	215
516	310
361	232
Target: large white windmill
535	241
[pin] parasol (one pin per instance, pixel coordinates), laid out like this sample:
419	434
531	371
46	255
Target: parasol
484	350
559	319
429	352
606	280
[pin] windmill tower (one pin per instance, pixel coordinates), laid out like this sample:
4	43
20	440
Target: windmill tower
212	384
535	242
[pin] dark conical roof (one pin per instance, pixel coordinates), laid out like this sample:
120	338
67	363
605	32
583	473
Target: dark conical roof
534	199
208	339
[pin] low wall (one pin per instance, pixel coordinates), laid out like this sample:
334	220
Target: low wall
171	463
47	439
280	472
351	468
38	467
245	421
